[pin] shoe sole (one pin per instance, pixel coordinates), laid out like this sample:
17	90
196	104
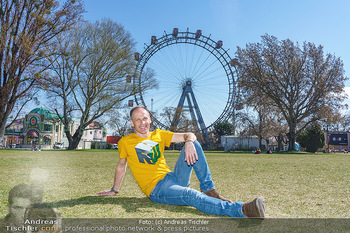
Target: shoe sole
260	205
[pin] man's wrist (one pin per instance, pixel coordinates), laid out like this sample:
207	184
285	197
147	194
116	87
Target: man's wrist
190	140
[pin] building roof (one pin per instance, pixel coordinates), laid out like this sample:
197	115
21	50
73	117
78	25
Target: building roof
19	121
46	113
95	125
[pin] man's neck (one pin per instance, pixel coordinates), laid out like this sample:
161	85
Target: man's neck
145	135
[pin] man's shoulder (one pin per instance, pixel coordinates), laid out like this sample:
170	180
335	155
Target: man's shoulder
127	138
157	131
162	134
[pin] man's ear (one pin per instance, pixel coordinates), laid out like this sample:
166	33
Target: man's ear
132	124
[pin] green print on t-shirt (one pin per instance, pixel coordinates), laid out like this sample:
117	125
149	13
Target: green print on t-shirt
148	151
155	154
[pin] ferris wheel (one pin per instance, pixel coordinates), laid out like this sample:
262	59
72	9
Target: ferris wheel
191	72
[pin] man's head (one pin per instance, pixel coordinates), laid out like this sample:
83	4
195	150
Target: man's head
19	199
140	120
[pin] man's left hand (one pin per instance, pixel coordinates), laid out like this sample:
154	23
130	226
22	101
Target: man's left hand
190	153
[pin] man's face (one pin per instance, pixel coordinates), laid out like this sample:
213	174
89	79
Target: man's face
17	209
141	121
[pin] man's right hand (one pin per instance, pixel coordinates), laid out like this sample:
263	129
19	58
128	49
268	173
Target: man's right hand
106	193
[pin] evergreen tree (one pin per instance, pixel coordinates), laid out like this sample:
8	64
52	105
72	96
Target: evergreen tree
221	129
312	138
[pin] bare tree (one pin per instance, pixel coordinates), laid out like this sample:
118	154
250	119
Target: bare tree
90	73
21	103
27	26
335	121
119	120
183	124
260	119
300	81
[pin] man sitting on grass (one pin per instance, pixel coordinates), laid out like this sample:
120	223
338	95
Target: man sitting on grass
143	151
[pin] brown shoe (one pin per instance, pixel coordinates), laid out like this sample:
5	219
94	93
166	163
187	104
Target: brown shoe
215	194
254	209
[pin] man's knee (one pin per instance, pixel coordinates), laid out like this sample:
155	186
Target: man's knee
197	145
192	193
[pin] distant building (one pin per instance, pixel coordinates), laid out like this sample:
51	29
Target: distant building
242	143
95	132
113	139
44	128
14	134
337	141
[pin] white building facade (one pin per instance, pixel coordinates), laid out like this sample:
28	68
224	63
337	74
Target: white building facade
242	143
43	128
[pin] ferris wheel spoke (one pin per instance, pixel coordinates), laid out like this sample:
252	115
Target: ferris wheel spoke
172	61
200	68
212	88
166	69
166	59
213	77
198	60
167	80
207	70
178	60
194	57
182	63
161	104
214	100
215	97
163	93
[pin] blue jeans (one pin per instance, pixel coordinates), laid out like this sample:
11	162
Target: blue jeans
173	189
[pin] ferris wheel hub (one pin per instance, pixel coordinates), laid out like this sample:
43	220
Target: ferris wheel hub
186	83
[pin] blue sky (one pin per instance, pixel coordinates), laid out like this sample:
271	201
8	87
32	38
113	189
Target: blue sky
236	22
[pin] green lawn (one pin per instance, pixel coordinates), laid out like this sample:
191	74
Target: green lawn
294	185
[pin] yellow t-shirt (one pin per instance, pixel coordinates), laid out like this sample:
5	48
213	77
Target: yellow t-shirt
145	157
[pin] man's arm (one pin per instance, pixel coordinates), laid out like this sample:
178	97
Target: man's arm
183	137
190	151
118	178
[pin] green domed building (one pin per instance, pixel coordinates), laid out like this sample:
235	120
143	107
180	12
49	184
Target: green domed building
40	126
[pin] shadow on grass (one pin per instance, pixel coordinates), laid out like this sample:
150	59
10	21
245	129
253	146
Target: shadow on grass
130	204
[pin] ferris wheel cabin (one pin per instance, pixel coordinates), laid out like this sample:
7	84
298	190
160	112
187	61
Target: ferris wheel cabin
198	34
137	56
219	44
175	32
153	40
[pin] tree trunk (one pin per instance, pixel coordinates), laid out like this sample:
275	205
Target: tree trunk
260	143
2	133
279	143
291	136
74	143
75	139
4	115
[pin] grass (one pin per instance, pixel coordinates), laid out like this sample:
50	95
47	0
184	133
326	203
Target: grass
299	185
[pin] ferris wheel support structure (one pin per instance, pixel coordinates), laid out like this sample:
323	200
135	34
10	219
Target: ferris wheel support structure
193	108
